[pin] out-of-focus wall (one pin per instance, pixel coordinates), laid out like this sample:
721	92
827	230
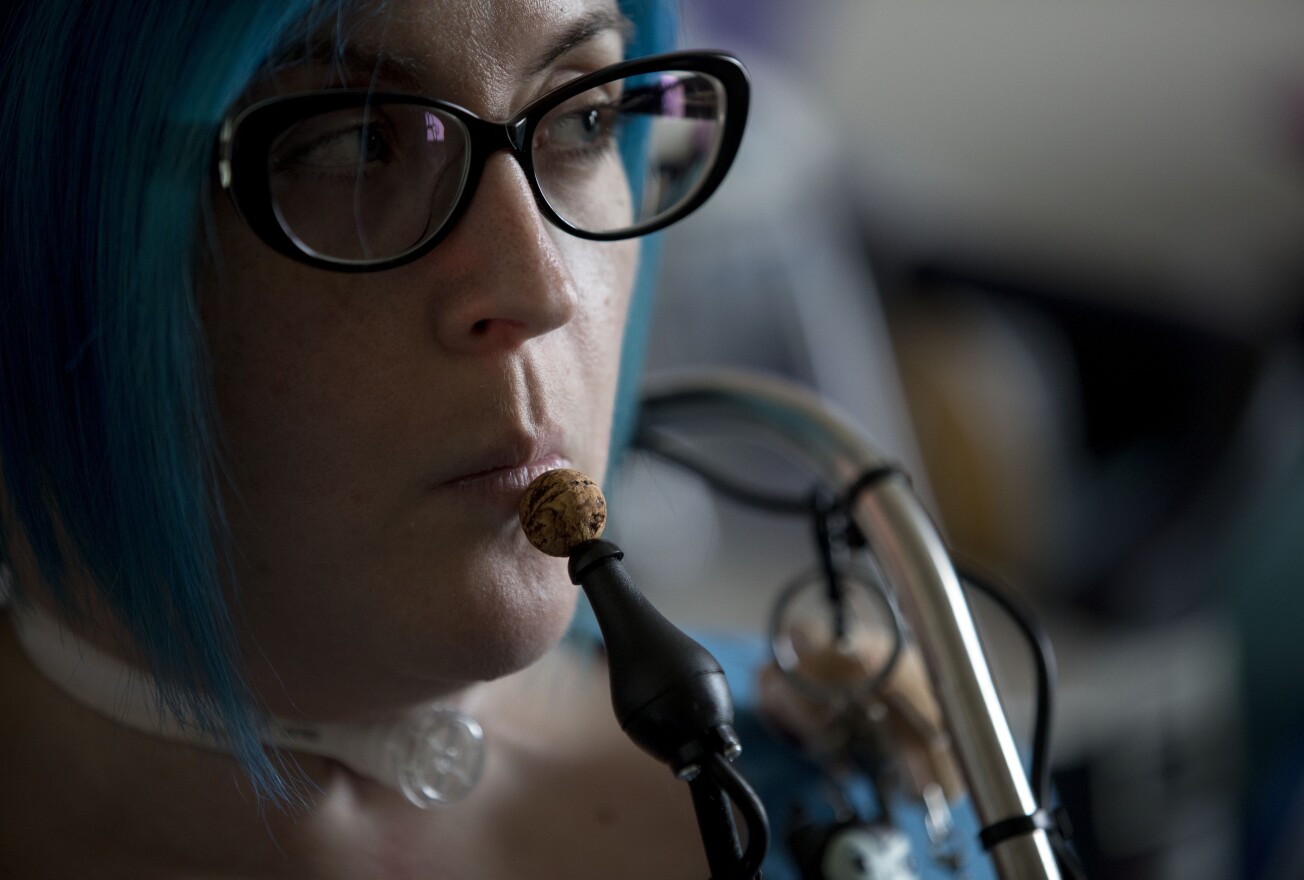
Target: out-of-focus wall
1152	152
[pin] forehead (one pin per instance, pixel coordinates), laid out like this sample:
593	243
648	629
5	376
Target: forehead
476	52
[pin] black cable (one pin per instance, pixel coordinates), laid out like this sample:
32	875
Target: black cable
1043	654
649	441
1043	657
753	812
824	504
715	822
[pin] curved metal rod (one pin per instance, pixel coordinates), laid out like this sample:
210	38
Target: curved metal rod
914	560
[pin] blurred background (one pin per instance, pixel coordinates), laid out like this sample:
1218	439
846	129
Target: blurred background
1051	257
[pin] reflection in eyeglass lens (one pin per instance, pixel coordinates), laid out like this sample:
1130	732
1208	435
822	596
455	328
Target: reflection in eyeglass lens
373	182
367	183
665	128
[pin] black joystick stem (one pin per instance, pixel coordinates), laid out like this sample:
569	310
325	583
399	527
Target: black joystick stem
669	693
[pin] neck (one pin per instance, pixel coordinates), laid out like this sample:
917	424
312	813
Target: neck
125	792
145	806
433	754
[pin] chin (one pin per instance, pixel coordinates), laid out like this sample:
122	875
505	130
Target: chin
506	649
507	618
413	641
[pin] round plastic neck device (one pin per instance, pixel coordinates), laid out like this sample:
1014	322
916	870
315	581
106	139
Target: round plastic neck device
433	754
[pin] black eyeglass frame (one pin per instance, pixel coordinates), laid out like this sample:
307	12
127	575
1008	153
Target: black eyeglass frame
246	138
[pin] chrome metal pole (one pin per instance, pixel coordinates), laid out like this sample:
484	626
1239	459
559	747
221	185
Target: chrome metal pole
914	559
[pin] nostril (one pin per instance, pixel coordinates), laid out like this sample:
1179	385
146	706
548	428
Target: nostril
481	327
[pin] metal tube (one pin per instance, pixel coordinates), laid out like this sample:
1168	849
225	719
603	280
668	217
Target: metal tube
914	560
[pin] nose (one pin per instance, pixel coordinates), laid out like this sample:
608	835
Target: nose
502	278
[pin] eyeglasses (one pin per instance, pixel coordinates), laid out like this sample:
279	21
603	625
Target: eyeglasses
356	180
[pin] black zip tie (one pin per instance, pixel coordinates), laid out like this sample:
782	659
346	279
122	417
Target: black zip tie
999	832
871	478
1054	823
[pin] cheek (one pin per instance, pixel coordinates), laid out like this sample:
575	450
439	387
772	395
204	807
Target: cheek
280	390
306	406
605	280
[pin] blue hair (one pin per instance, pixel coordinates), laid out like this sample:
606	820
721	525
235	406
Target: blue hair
656	25
109	457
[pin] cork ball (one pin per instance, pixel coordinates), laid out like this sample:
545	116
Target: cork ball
560	510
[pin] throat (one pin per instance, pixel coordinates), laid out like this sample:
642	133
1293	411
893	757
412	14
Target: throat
433	754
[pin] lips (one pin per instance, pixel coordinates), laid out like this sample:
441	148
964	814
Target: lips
508	465
511	478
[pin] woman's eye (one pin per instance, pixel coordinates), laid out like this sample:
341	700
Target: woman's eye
580	128
350	147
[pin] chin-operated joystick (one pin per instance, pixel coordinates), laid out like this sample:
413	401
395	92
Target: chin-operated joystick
669	694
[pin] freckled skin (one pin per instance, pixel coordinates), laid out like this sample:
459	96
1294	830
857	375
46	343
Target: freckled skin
347	399
351	406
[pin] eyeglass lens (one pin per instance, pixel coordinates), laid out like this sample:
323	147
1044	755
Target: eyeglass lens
373	182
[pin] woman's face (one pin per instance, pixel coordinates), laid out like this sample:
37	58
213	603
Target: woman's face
380	427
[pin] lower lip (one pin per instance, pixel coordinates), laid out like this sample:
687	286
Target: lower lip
504	485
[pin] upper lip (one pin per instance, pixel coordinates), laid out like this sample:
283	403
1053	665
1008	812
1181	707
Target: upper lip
520	447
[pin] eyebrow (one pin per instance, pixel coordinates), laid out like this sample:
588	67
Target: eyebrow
361	60
588	26
407	73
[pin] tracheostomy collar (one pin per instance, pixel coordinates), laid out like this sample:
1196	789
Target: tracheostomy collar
434	754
